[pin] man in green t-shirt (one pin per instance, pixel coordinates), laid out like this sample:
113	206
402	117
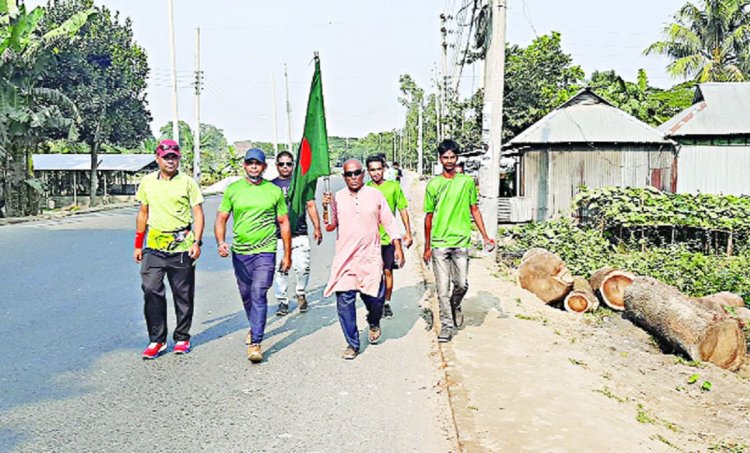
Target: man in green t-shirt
171	209
396	199
256	206
450	203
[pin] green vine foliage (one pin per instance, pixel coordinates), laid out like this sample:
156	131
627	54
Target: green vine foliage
648	207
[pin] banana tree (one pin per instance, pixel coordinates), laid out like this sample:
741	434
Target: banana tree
28	112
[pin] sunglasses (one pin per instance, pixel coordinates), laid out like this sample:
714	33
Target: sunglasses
285	164
169	147
355	173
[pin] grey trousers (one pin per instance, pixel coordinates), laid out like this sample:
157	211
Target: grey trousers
451	265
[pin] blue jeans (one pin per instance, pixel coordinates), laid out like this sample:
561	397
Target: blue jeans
346	307
254	277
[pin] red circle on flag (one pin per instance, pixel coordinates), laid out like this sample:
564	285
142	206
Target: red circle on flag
305	156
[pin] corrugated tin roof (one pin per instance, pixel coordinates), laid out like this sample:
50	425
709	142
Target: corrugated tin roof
718	109
588	118
107	162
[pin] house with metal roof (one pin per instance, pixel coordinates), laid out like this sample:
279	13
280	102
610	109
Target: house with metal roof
584	142
66	176
714	140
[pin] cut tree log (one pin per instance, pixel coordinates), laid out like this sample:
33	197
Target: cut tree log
531	252
545	274
581	299
598	276
612	289
719	300
702	334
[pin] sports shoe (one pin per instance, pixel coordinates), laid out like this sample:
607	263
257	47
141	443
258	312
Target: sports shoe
154	350
375	334
349	353
458	317
249	337
254	354
387	312
283	309
182	347
446	335
302	302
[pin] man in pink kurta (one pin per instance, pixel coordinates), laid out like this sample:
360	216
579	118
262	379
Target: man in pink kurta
357	213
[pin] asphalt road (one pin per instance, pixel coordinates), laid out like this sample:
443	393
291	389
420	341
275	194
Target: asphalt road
71	376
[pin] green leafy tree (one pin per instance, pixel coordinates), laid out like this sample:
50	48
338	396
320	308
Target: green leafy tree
217	158
538	78
29	112
708	41
649	104
105	74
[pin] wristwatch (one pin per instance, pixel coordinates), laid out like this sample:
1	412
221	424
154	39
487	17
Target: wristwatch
200	242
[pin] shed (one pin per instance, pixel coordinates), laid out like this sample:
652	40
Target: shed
66	176
714	140
584	142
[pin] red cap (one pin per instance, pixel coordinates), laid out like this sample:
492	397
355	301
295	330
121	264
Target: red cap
168	147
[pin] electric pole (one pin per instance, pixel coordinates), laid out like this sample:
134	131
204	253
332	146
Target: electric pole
175	109
420	143
197	127
492	127
275	127
443	82
288	112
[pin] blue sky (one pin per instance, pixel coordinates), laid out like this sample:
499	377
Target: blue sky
364	47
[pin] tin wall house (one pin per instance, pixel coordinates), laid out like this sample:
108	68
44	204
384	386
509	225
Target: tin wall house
714	140
584	142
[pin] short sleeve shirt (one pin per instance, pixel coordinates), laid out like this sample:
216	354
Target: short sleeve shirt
284	185
396	200
450	200
170	203
255	209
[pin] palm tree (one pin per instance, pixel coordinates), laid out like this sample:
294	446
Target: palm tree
708	42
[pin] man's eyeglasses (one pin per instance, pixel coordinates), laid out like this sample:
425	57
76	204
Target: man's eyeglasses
285	164
355	173
169	147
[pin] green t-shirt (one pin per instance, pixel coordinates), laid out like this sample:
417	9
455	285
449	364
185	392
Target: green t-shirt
170	203
395	198
450	200
255	209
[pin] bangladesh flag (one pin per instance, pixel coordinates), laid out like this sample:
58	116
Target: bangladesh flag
312	155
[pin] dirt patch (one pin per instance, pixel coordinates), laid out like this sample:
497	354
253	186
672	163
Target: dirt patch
523	376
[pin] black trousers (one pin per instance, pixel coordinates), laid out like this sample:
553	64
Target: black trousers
180	272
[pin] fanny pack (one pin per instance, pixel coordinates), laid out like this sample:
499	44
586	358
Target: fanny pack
168	241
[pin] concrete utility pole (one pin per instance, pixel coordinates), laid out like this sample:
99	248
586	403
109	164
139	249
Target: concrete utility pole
443	82
175	109
197	127
288	112
420	143
492	127
275	121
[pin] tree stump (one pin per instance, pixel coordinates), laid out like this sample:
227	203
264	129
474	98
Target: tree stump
581	299
545	274
702	334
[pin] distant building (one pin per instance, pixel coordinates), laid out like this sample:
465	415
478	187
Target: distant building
66	176
584	142
714	140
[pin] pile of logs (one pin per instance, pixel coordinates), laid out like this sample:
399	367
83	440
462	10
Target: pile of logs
707	329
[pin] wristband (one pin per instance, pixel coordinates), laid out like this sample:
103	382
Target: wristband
139	237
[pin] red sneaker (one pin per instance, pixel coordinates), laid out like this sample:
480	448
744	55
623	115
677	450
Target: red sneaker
182	347
154	350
